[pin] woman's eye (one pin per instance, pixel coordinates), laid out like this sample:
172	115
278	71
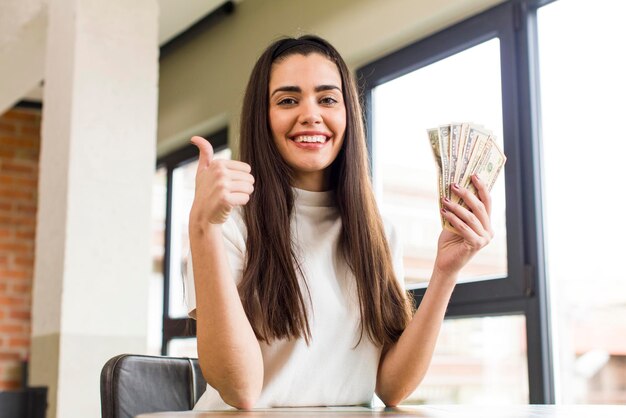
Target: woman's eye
328	100
287	101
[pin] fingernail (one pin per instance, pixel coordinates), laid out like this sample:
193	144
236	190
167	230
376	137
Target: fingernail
477	178
455	185
445	199
443	210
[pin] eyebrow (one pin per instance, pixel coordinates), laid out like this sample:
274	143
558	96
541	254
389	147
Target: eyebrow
296	89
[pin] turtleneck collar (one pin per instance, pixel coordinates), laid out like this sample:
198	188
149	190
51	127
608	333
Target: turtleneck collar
315	199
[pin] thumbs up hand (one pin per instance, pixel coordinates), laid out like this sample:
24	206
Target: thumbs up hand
220	185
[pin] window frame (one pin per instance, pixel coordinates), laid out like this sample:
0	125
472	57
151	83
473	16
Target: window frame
524	290
173	327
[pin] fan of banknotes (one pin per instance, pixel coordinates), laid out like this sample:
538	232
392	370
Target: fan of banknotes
461	150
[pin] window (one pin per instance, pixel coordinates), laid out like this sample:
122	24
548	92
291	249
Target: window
462	87
582	102
171	332
480	360
479	71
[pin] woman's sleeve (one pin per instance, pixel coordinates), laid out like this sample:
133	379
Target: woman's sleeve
234	243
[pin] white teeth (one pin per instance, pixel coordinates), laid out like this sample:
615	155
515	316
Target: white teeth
305	138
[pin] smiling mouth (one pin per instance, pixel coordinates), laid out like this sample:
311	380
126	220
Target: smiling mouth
311	139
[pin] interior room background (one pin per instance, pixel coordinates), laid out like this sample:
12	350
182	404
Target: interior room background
540	316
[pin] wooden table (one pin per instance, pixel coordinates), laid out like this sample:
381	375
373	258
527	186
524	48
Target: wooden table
431	411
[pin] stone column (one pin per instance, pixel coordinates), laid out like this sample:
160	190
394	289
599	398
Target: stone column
97	161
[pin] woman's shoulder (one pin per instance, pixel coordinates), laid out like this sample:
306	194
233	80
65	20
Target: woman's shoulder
234	229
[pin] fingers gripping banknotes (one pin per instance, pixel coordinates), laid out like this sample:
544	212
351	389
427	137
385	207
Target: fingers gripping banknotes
462	150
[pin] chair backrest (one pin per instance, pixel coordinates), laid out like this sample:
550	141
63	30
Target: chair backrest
135	384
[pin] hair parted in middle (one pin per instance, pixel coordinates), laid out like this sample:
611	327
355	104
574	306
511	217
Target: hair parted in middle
270	290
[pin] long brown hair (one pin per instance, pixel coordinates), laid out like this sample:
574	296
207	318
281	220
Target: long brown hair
270	290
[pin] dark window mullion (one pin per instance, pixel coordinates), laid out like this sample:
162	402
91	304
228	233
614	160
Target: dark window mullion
539	338
177	328
166	256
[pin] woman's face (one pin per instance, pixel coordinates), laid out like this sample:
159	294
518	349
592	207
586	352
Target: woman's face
307	116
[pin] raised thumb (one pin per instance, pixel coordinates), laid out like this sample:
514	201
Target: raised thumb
205	149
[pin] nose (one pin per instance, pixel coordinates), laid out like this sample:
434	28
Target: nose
310	113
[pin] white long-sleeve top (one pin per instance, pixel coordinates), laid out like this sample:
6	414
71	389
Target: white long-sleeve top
330	371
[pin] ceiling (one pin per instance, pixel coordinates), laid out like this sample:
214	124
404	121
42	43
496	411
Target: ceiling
175	17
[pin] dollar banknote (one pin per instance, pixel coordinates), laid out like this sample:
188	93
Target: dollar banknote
433	136
460	151
455	133
444	146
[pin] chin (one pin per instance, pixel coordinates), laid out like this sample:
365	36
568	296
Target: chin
311	167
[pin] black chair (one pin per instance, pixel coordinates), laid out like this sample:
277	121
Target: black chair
133	384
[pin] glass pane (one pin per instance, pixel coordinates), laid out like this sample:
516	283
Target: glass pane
183	347
477	361
582	100
155	299
183	188
462	88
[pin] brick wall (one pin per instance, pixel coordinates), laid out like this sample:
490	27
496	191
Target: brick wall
19	163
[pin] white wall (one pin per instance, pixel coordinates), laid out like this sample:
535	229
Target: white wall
202	83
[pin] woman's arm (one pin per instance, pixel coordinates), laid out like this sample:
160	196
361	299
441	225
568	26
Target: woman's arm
228	351
403	365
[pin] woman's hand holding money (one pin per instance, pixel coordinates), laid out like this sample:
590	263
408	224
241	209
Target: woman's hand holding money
408	359
472	225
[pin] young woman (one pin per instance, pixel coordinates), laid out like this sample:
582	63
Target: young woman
296	283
